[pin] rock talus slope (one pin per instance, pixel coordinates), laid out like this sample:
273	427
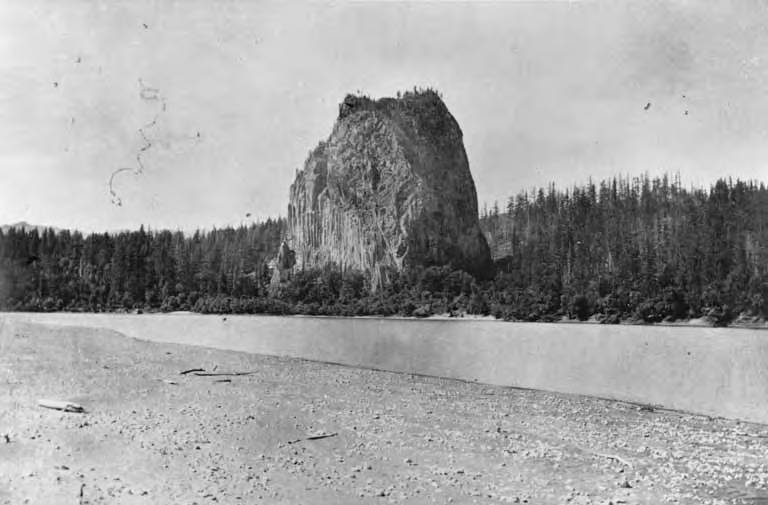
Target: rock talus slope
390	188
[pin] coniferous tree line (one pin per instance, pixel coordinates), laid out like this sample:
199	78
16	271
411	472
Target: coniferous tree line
163	270
643	249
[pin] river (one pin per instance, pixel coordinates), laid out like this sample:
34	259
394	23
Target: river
713	371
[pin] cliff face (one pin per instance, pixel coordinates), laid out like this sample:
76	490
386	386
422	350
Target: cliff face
390	187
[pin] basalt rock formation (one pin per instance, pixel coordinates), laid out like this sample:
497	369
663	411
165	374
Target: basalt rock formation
391	187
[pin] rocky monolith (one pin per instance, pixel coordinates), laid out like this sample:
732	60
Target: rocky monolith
391	187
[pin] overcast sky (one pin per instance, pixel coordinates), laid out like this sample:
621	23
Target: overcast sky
543	92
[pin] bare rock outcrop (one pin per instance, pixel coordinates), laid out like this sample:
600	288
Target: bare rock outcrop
391	187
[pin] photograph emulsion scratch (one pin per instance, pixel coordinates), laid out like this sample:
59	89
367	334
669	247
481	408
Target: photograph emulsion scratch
150	94
148	138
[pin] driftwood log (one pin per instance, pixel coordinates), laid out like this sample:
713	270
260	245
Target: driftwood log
64	405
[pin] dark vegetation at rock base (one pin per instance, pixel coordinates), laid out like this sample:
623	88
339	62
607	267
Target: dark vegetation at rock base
641	250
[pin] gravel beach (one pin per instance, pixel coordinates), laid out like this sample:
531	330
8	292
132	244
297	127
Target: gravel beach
263	429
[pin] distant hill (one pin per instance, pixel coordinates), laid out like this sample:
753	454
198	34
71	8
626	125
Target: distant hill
26	227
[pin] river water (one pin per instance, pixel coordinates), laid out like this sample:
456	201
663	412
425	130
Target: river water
714	371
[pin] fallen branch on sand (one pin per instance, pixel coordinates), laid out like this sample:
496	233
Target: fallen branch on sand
191	370
218	374
61	405
223	380
313	437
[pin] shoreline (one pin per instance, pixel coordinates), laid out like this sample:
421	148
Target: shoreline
688	323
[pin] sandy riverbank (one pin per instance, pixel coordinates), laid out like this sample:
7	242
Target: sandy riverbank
396	438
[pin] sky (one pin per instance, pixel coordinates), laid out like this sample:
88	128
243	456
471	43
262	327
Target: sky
223	100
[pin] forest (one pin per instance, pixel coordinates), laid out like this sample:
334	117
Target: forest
640	250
